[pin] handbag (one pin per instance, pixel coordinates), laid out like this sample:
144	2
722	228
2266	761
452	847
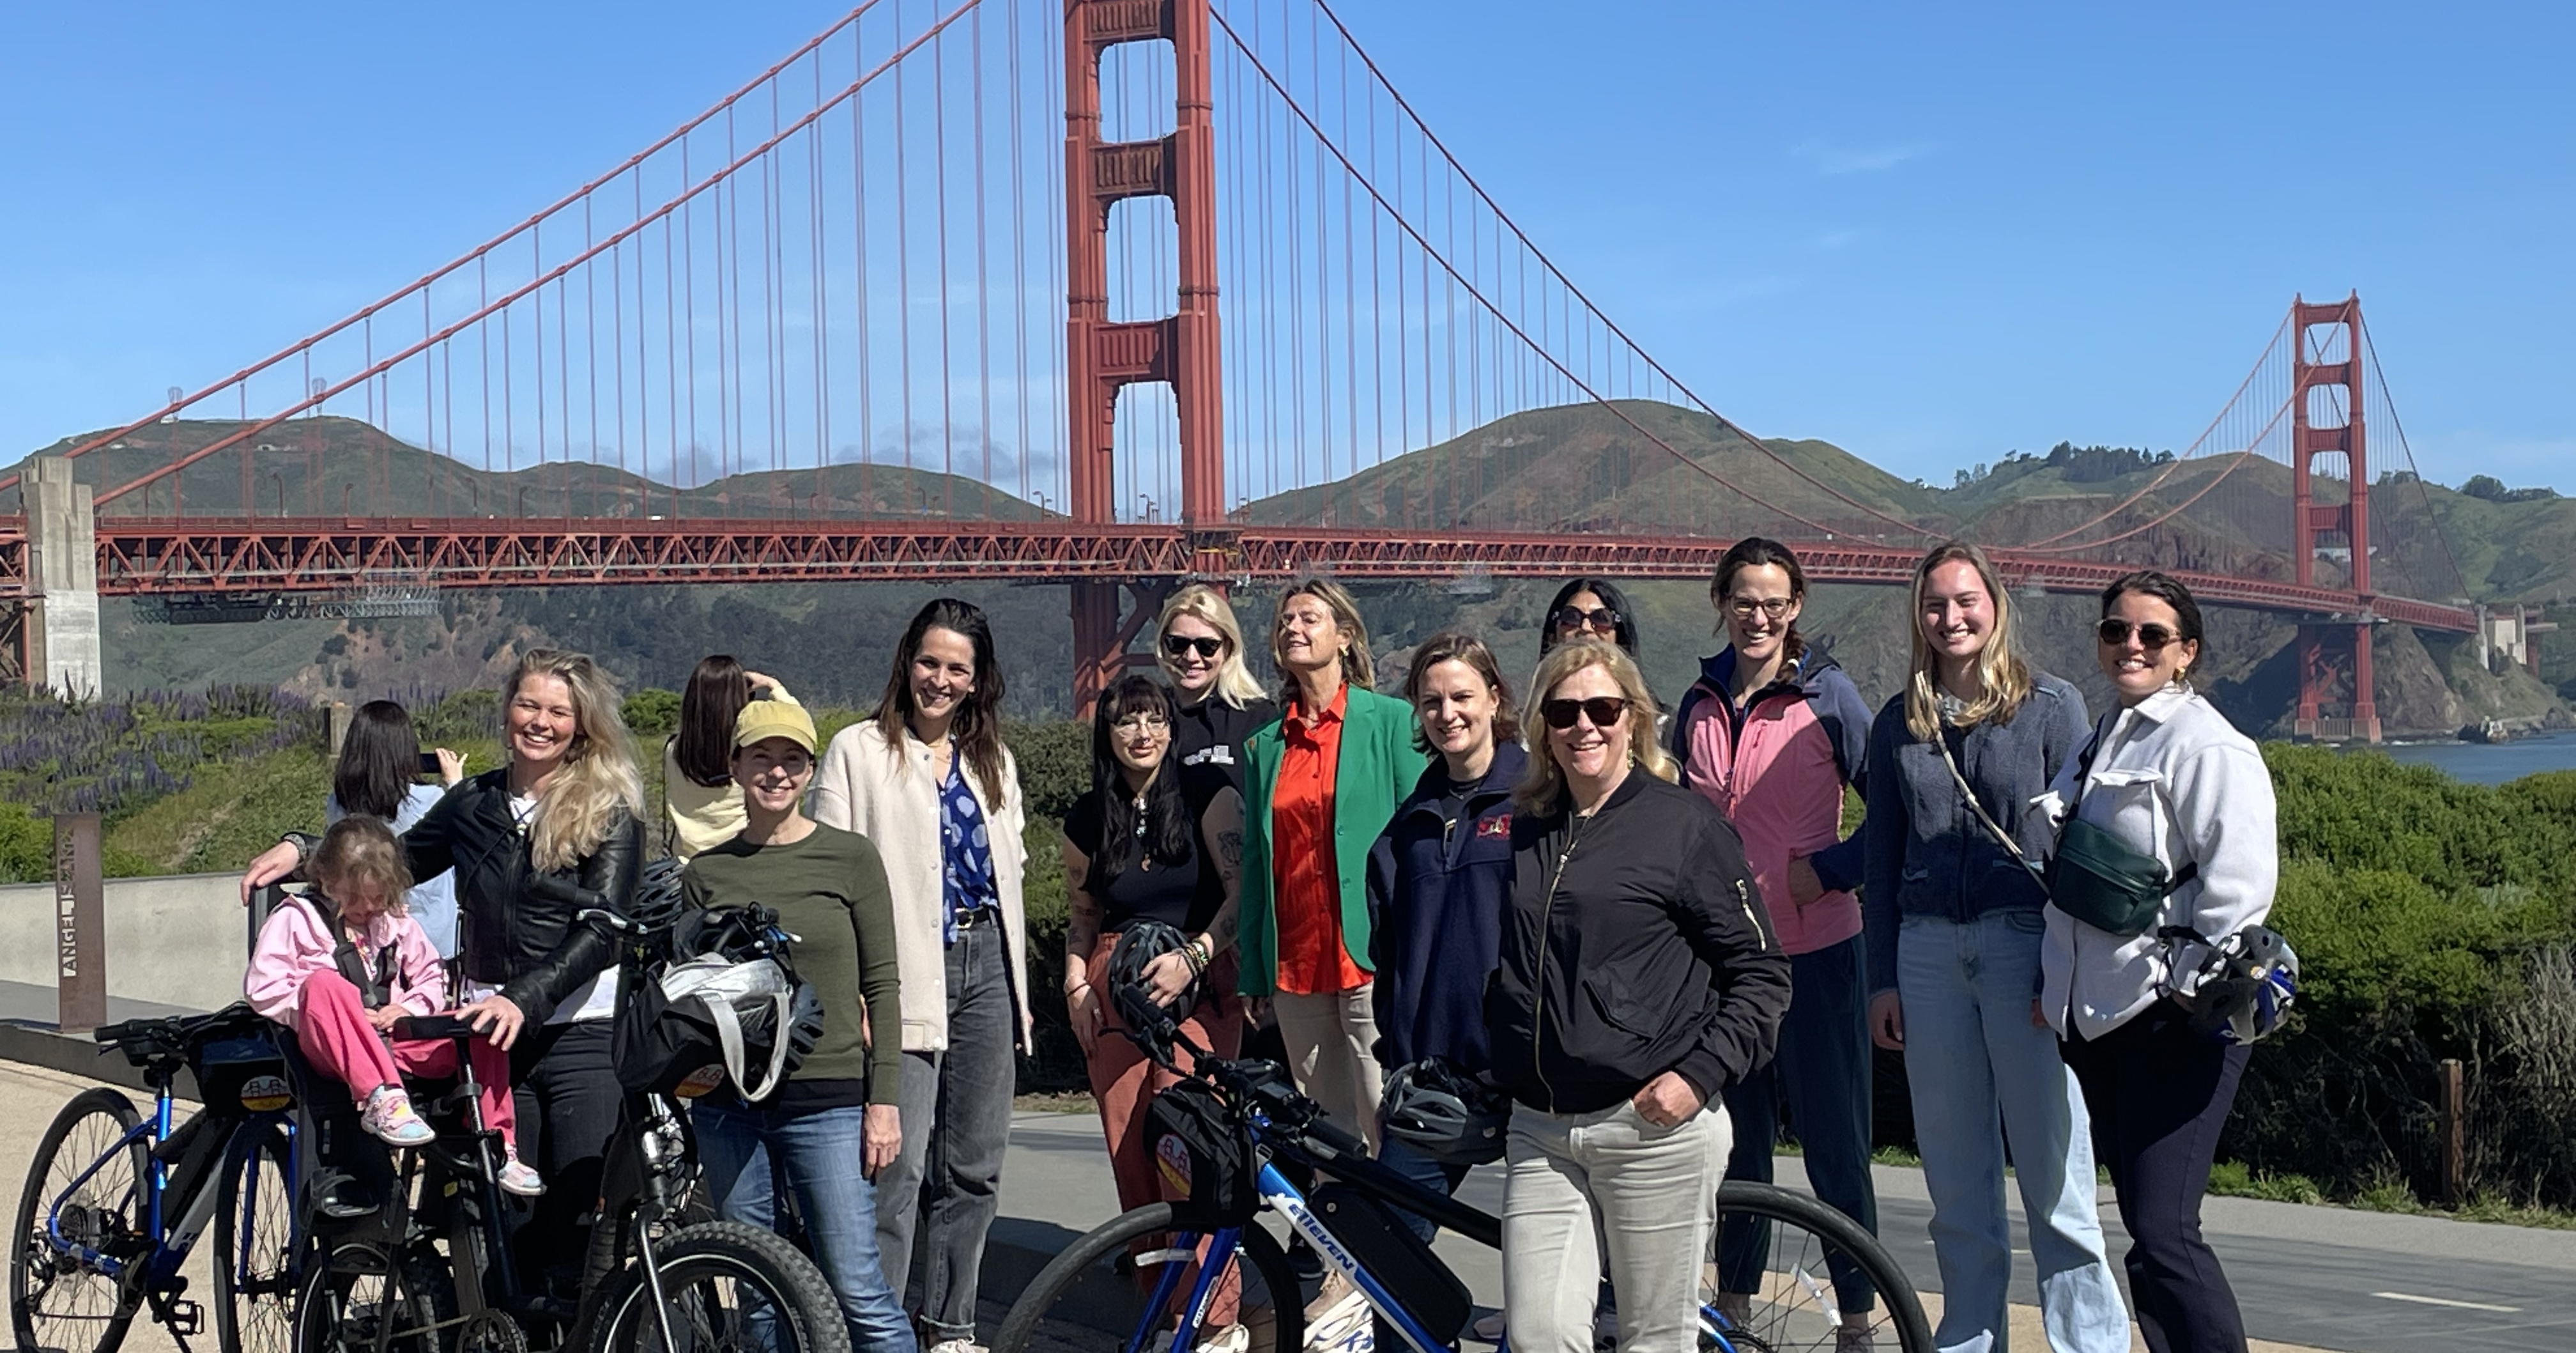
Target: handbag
2094	877
715	1017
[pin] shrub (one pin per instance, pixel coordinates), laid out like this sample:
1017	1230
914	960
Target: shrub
652	714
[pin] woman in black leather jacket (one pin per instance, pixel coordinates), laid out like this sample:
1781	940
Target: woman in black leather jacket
568	806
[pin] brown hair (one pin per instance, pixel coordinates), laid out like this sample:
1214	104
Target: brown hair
1357	669
718	689
359	852
1543	783
976	730
2003	678
1455	646
1760	552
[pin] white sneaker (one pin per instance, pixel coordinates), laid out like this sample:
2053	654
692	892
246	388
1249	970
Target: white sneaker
1231	1339
390	1118
1488	1329
958	1346
1346	1325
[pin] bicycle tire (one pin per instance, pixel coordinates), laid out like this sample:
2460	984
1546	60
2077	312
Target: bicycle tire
712	1251
1113	1239
334	1313
113	1214
257	1316
1903	1310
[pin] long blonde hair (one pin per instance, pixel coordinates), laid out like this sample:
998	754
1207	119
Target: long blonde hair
1234	683
579	805
2003	679
1542	782
1357	668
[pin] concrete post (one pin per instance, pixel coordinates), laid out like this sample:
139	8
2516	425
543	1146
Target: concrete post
336	715
62	577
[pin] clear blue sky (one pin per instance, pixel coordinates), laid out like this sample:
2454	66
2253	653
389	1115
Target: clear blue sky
1928	233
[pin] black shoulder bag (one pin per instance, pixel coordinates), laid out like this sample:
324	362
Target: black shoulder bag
2094	877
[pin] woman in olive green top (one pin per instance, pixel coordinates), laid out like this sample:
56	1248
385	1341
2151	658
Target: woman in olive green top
829	889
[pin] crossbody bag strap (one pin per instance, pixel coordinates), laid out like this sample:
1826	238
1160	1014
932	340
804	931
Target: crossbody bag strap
2004	838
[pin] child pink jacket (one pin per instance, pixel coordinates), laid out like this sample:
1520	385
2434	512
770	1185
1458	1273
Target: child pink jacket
294	944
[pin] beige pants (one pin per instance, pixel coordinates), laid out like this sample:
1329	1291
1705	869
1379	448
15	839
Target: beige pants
1651	1192
1329	1038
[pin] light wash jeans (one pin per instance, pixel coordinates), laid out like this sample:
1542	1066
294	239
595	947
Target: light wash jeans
1653	1194
1981	1070
820	1153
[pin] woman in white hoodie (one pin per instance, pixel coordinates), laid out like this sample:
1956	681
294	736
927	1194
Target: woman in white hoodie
928	780
2169	778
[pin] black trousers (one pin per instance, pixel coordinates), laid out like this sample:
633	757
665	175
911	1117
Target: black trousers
2158	1094
566	1095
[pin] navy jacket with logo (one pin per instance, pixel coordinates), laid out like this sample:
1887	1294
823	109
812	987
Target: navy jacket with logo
1437	893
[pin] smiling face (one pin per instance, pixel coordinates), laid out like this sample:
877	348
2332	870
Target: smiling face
1139	740
541	722
1582	623
1456	710
1193	671
1309	638
773	773
1957	613
1588	751
2138	670
942	674
1759	607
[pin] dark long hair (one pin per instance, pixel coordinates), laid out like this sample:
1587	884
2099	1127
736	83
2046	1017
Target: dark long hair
379	761
1758	552
1610	595
977	730
1166	838
716	693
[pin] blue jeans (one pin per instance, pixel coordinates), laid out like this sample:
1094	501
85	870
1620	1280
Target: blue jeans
1980	1070
956	1124
1822	1069
820	1151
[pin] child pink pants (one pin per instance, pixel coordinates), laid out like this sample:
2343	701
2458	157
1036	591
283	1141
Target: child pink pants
331	1026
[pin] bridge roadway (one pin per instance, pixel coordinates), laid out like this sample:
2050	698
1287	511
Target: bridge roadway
138	556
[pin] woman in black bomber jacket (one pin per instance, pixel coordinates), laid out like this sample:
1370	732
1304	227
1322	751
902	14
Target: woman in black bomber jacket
1639	978
567	807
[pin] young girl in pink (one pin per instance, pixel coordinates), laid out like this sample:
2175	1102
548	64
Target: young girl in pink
296	978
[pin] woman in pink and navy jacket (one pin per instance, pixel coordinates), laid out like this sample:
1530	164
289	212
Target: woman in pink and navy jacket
1770	733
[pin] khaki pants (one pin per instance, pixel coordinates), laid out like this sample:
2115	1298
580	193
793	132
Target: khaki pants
1329	1039
1651	1192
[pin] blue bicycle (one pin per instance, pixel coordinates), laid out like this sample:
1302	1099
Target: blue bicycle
114	1202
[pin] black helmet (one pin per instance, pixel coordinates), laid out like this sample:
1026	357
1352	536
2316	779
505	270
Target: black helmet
1150	1024
2243	985
657	900
804	1029
1445	1114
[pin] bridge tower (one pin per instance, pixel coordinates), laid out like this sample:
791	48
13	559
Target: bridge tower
1102	357
2329	649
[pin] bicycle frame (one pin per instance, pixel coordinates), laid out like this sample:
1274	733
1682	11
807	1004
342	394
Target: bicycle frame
172	1244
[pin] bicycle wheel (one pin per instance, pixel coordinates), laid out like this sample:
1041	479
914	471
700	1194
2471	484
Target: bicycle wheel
357	1300
1094	1295
255	1259
724	1286
1823	1275
55	1300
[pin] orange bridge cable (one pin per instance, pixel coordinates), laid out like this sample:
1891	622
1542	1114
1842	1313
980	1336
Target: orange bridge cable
475	256
2235	461
1506	321
1568	282
2459	578
2185	458
557	273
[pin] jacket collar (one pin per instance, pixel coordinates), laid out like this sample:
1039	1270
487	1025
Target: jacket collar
2161	706
1800	674
1509	761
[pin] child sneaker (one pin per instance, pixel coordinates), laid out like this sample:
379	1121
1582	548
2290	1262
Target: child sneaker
520	1179
389	1118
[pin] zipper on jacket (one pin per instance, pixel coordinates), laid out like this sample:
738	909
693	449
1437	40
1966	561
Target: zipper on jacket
1538	985
1752	918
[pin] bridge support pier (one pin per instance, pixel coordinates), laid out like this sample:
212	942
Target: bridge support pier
2326	436
2334	667
57	639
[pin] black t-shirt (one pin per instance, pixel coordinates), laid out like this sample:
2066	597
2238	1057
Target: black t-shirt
1211	734
1184	894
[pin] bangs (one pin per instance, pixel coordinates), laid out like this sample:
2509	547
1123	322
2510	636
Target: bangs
1136	694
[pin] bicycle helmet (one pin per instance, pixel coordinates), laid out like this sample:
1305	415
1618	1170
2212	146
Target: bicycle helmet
1445	1114
2243	985
1152	1025
657	901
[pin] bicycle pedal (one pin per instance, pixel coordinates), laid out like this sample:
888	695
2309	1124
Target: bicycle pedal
185	1318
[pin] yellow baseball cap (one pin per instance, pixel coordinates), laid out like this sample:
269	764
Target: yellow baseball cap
773	719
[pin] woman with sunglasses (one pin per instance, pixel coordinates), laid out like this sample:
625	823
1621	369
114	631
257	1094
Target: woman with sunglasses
1637	980
1200	647
1589	608
2169	777
1770	734
1955	763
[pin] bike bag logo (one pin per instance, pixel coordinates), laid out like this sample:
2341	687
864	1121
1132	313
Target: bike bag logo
1172	1158
266	1094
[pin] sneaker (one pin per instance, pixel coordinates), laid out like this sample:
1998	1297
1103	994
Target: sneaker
1340	1320
1231	1339
1855	1335
389	1118
958	1346
1488	1329
520	1179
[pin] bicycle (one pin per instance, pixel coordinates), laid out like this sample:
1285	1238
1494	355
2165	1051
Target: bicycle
114	1203
1417	1300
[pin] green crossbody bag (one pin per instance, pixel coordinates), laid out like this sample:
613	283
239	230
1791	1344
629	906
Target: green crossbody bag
2094	877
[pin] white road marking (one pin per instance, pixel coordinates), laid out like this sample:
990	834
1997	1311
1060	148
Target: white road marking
2446	1301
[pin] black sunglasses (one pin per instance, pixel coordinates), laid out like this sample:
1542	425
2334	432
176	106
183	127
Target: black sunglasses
1605	711
2116	631
1599	618
1179	645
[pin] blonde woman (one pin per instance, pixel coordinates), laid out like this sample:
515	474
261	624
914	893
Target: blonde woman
1954	919
928	780
1200	647
568	806
1638	980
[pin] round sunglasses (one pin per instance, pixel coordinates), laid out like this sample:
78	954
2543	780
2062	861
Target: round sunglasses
2115	632
1599	617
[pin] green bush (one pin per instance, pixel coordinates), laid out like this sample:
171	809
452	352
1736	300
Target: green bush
652	714
1055	763
26	845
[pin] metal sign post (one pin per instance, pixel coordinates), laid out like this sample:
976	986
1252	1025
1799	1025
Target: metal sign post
80	925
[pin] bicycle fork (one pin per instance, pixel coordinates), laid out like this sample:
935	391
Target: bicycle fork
1284	1198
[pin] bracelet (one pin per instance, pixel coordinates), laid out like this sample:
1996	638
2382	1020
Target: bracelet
1198	962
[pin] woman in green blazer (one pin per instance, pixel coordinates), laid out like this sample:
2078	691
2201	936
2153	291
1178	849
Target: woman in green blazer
1320	783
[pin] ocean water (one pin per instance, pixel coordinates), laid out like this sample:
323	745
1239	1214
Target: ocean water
2485	764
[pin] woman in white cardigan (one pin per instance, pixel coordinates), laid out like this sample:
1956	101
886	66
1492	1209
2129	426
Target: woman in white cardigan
928	780
2165	775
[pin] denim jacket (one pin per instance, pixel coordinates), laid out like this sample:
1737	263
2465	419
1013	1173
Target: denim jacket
1928	855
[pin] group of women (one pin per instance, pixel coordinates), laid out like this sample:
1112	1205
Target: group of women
1650	933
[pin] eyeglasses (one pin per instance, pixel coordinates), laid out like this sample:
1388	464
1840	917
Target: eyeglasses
1605	711
1774	607
1179	645
2115	631
1601	618
1141	723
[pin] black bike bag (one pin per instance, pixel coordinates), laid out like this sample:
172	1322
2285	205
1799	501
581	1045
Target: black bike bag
1398	1259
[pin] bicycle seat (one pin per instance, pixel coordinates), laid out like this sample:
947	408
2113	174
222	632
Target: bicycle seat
434	1026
